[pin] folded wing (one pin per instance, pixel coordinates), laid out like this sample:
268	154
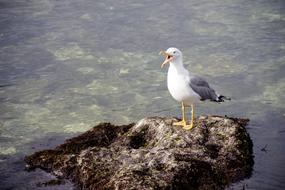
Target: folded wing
203	89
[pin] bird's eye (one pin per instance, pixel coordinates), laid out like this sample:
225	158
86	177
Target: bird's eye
174	52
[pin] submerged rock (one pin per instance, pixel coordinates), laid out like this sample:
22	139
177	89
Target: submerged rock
153	154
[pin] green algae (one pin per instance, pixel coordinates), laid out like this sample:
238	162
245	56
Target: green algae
216	65
86	17
274	94
34	114
202	28
273	16
30	90
124	71
7	151
86	70
95	108
266	16
95	87
27	114
71	51
43	7
76	127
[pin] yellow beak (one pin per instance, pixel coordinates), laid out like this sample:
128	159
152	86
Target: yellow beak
168	57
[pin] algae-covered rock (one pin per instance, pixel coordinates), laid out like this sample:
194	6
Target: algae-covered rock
153	154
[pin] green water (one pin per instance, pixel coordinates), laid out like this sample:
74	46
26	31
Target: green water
67	65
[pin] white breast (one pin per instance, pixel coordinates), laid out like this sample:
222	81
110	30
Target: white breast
178	86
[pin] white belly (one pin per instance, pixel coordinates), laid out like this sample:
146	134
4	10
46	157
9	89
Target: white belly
178	86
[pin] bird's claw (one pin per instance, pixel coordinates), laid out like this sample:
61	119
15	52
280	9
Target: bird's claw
188	127
180	123
183	124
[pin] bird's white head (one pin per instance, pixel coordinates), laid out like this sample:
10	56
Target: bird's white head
172	55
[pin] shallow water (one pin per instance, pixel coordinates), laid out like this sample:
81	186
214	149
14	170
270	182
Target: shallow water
67	65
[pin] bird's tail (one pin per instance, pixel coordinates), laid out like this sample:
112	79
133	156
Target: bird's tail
222	98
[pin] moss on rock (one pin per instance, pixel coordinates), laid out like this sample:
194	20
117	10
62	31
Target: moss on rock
153	154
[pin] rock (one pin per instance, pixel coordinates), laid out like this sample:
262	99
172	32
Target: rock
153	154
51	183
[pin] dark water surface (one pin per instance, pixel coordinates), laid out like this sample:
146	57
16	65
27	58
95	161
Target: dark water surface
67	65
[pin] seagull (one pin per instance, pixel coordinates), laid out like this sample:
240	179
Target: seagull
185	87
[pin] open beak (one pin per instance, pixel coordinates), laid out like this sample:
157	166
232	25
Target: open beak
168	57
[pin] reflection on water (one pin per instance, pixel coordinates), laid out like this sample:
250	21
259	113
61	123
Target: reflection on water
68	65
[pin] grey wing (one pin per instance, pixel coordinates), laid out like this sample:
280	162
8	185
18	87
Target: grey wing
203	89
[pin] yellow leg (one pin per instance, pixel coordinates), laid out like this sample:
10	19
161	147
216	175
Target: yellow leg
183	122
192	119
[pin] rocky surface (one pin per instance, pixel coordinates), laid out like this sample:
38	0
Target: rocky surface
153	154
